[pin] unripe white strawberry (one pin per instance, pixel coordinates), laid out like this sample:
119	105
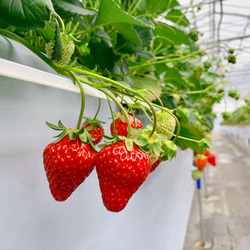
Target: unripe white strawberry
68	48
165	124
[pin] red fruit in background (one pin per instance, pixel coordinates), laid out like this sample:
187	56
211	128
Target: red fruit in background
120	173
200	161
212	159
95	132
121	125
67	163
155	165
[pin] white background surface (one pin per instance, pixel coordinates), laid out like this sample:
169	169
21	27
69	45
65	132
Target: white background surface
155	218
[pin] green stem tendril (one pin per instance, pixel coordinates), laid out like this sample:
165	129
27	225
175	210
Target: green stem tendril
137	93
99	106
76	79
157	97
61	22
112	113
121	108
116	101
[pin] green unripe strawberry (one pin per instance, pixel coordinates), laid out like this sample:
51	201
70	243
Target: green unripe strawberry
207	65
198	71
193	35
226	115
196	174
232	93
68	48
231	50
237	96
231	59
247	100
165	124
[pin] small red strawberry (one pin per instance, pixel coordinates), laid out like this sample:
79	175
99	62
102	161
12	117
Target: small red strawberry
67	161
95	129
155	165
120	172
212	159
121	124
200	161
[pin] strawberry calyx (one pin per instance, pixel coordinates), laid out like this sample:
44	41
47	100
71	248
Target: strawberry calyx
82	133
169	150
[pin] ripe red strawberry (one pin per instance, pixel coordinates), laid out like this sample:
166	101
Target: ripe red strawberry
212	159
155	165
200	161
95	132
121	125
67	163
120	173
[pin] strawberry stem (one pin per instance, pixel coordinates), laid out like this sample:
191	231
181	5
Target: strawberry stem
76	79
98	109
61	22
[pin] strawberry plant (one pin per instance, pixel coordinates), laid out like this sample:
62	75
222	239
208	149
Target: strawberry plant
138	61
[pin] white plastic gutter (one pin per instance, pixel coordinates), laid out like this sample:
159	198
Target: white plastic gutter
29	74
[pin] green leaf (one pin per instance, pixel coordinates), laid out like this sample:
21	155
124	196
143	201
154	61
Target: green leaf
192	132
170	35
177	17
129	33
57	50
27	15
104	36
110	12
73	7
160	6
104	56
147	83
174	77
48	32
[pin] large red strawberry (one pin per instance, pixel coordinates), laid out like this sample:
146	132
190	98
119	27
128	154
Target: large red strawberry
212	159
200	161
120	172
67	163
121	124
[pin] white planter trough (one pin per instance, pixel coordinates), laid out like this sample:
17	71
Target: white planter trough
155	218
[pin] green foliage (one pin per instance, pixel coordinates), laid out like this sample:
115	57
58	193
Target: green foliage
122	48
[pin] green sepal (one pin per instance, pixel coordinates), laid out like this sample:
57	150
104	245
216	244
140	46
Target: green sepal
169	150
59	127
196	174
61	136
83	137
129	144
141	141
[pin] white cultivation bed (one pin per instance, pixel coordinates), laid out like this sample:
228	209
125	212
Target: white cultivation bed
155	218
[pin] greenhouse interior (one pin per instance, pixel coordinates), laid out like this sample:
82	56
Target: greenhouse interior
125	125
